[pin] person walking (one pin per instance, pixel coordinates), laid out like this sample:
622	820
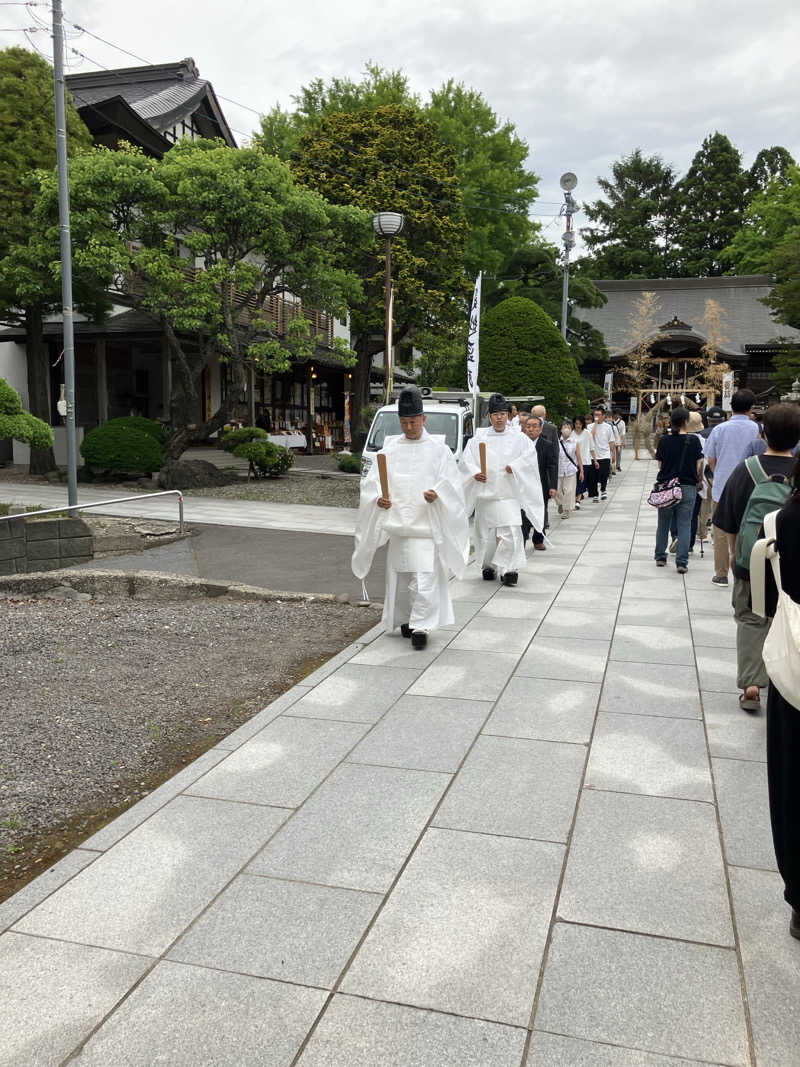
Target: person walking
680	456
621	429
694	426
569	463
585	443
547	460
725	449
605	450
549	432
751	491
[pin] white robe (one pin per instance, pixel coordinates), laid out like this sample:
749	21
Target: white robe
426	541
499	501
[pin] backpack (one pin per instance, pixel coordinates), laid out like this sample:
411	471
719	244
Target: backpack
770	492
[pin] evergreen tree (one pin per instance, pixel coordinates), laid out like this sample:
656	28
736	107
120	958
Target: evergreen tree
633	226
710	202
769	163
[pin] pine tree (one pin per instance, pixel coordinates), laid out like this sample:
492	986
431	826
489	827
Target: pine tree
633	227
769	163
710	203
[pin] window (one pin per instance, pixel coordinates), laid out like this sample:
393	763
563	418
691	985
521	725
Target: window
387	424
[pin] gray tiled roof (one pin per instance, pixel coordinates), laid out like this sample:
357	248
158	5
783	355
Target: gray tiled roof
747	321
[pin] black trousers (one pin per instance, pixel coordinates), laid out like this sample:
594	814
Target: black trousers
603	473
783	772
538	538
590	477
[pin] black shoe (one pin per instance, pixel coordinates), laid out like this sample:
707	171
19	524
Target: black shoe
406	630
661	563
794	924
719	581
419	640
510	578
682	568
488	574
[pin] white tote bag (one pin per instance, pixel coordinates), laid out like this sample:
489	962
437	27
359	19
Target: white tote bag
782	647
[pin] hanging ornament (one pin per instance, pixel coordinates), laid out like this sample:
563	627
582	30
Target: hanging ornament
697	398
669	401
683	401
652	398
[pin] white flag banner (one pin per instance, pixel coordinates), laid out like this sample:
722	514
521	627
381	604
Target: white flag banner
727	390
473	342
608	384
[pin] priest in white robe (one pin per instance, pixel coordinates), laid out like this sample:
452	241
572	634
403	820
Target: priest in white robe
423	518
510	485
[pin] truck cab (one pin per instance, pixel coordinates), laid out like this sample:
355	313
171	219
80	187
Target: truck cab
448	415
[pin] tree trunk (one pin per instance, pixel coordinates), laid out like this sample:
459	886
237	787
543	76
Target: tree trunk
42	460
360	387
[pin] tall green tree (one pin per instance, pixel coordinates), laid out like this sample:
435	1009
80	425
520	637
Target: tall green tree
27	144
768	242
392	158
710	203
204	240
769	163
633	224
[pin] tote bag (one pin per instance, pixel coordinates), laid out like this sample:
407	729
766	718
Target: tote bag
781	653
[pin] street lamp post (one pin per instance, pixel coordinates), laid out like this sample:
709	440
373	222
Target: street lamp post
388	224
567	182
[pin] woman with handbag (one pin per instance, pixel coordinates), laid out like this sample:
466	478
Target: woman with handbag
680	458
569	463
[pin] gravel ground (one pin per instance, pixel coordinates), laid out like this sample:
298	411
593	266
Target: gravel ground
105	700
291	489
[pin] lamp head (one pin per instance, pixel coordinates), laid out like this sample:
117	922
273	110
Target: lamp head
568	181
388	223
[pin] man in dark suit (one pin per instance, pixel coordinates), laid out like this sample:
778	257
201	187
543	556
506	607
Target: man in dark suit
549	432
547	457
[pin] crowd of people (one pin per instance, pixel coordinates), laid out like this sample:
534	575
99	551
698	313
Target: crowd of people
729	475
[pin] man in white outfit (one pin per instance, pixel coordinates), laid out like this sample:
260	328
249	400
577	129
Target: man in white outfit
424	520
511	484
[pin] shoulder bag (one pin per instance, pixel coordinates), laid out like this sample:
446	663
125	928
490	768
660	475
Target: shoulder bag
781	653
668	494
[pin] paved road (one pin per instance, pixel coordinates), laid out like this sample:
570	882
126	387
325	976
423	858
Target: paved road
542	841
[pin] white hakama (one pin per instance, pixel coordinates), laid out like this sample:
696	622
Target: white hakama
427	541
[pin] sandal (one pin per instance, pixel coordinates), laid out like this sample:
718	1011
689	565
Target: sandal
747	703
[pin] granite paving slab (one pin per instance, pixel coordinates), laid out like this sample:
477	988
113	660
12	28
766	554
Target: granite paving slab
716	668
485	634
602	598
424	733
464	929
606	575
771	964
467	675
635	612
357	829
359	692
13	908
283	763
463	611
263	718
367	1032
545	710
186	1016
655	755
744	812
713	600
654	994
644	588
52	994
143	892
648	644
645	689
532	609
391	650
732	733
711	631
516	787
277	929
553	1050
569	621
567	659
648	864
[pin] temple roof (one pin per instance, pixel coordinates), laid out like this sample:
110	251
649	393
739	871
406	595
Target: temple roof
682	301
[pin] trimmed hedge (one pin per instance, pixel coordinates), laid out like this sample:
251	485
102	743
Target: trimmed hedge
270	460
121	449
350	464
233	438
522	352
20	424
139	422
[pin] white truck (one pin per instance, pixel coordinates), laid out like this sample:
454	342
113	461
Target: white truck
449	415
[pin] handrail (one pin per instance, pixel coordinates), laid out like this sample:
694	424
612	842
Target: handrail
103	503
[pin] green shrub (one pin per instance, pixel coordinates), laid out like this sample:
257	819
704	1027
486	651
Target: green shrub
19	424
269	460
138	422
350	464
523	353
121	449
233	438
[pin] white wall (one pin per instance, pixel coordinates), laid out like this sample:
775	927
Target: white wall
14	367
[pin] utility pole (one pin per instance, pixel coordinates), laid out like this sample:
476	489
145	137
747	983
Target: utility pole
567	182
66	251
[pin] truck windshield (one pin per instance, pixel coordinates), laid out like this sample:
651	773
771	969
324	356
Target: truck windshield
387	424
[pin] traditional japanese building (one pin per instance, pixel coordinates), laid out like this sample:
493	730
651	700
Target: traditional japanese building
749	338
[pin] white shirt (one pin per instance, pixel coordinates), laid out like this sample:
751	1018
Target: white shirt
621	429
565	468
585	444
603	436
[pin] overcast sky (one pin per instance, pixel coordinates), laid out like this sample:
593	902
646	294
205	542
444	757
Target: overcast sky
584	82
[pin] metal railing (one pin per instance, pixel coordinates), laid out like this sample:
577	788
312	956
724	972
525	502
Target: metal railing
103	503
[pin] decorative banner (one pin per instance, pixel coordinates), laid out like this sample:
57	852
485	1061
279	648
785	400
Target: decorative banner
727	390
348	439
389	349
608	384
473	344
634	405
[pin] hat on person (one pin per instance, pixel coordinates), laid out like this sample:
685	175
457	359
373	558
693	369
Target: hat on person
497	402
715	413
409	403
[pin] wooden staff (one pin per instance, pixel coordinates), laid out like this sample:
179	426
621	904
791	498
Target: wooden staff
384	475
482	450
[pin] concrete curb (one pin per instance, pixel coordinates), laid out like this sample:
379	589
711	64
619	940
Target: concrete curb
151	585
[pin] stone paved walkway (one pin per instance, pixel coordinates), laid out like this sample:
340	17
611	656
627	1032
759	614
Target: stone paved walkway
542	841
